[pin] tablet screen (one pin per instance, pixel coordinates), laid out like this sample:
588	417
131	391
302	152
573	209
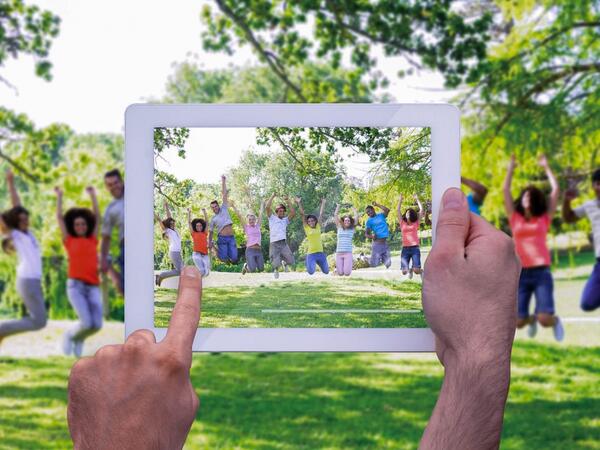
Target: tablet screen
294	227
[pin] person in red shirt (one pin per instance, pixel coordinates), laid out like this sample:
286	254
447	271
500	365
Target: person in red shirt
79	229
530	216
199	234
409	226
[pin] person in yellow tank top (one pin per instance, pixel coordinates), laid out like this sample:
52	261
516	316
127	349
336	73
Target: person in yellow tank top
312	227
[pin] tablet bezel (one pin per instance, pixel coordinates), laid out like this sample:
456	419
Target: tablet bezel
140	121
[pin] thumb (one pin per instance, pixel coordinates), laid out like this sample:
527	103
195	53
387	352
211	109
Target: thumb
453	224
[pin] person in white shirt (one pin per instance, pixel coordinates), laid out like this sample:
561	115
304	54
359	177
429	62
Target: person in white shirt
169	232
590	299
279	250
15	223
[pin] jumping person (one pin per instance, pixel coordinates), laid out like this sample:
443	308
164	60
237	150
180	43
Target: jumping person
312	228
226	245
29	269
409	226
378	230
530	218
114	216
345	233
79	232
477	195
168	228
255	261
279	250
590	299
200	254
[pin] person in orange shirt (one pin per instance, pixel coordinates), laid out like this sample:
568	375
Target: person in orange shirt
530	216
200	255
79	229
409	226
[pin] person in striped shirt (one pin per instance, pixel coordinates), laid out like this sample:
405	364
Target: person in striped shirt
345	233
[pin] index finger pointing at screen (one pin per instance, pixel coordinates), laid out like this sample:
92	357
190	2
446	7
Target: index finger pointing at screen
186	314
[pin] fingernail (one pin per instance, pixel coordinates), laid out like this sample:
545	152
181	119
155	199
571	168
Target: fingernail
190	272
453	199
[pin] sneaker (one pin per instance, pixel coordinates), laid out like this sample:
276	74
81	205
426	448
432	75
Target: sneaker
559	331
276	274
67	343
410	274
78	349
532	328
245	269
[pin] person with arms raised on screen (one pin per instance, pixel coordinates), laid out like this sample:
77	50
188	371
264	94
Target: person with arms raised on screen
346	226
114	217
200	254
15	223
590	299
170	233
279	250
477	195
79	232
226	245
312	228
139	394
530	216
378	230
410	257
255	261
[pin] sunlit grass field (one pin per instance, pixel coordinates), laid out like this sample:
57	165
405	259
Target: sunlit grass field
275	305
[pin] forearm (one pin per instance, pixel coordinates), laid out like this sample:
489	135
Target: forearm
470	409
14	195
105	247
569	215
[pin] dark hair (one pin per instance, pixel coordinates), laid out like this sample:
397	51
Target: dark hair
539	205
168	222
412	214
85	214
312	216
369	207
214	202
199	221
352	224
280	206
11	216
113	173
596	176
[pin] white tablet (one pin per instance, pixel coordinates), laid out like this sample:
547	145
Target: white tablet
283	271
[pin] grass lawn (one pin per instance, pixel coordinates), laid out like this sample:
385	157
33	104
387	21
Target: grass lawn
328	401
244	306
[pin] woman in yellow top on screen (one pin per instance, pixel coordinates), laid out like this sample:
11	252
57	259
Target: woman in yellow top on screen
312	227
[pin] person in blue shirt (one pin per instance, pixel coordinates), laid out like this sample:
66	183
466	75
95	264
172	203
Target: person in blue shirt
477	195
378	230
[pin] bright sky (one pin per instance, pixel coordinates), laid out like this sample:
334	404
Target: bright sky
111	53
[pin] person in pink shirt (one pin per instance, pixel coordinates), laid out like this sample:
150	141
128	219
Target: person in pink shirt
530	216
409	226
255	261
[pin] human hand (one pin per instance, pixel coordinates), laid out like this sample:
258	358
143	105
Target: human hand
223	178
90	190
10	176
139	394
543	161
470	309
58	191
512	163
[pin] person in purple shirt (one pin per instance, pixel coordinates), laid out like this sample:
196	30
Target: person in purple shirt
255	261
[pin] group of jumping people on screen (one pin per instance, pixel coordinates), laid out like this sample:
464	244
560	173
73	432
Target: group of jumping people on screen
377	229
530	216
79	228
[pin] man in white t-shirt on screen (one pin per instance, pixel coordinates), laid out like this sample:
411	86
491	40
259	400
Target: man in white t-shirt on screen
279	250
590	299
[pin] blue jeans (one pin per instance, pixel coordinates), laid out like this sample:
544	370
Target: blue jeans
227	249
314	259
413	252
590	299
536	280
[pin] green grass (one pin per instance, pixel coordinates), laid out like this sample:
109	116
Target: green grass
242	306
330	401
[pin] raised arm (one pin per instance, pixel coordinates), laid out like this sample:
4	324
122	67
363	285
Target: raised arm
269	204
260	212
508	200
59	213
421	210
555	192
385	209
300	208
292	213
321	211
336	216
568	213
237	213
167	210
95	208
157	218
205	216
224	192
478	189
189	211
14	195
399	209
356	218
